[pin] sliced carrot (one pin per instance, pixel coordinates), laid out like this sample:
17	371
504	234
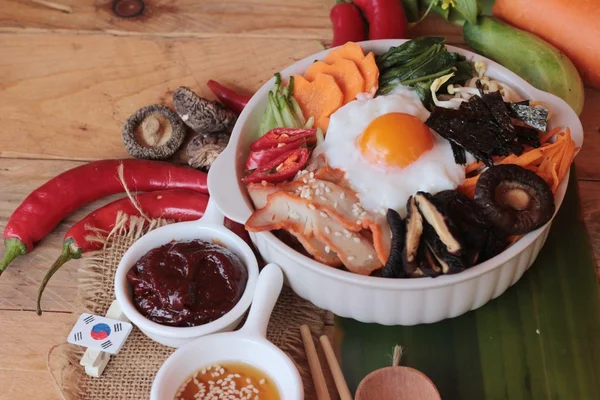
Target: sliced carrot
468	191
366	63
368	69
558	155
473	166
555	180
548	135
566	161
346	75
350	51
525	159
319	98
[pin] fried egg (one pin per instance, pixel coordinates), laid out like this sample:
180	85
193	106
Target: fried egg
387	152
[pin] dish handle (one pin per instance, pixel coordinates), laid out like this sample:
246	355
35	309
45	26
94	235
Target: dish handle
268	287
223	187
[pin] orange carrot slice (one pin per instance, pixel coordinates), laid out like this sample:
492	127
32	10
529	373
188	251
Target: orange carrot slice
319	98
366	64
566	161
346	75
548	135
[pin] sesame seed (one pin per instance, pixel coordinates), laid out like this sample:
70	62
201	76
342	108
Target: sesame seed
322	184
370	256
323	198
356	240
363	214
328	189
327	249
311	180
248	380
311	207
327	230
342	195
350	258
312	175
262	381
337	234
335	204
359	222
323	214
305	180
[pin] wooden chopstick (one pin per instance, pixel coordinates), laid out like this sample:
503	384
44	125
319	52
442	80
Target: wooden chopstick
336	371
314	364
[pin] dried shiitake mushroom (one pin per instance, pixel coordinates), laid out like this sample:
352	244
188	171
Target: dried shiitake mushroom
203	150
514	199
202	115
154	133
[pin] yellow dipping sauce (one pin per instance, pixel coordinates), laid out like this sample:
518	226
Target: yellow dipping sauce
228	381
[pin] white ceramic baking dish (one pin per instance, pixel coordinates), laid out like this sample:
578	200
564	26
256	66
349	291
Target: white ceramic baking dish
373	299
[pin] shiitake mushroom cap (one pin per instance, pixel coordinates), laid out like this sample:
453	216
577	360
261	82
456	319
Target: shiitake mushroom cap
514	199
153	132
200	114
204	149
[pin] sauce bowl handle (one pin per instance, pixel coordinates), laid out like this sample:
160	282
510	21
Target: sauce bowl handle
268	287
212	214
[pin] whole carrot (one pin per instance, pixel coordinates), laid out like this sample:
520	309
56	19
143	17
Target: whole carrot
46	206
176	204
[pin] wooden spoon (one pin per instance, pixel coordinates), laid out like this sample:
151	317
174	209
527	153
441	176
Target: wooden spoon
397	383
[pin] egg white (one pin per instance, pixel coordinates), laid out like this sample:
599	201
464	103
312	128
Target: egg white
380	188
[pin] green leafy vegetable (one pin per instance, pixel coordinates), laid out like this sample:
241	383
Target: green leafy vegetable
468	9
417	63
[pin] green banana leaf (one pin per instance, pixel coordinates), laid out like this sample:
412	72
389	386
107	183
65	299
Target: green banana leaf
539	340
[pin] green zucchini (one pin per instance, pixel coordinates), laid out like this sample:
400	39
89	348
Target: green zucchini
530	57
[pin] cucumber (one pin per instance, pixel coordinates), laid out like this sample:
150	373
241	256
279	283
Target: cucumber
530	57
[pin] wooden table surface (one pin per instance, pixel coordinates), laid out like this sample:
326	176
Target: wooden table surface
67	83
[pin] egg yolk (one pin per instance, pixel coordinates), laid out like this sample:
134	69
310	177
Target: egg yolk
395	140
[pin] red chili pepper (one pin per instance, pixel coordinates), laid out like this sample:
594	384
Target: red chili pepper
387	19
232	100
348	24
280	169
276	136
176	204
256	159
49	204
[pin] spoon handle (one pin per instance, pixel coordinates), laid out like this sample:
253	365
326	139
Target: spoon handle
268	287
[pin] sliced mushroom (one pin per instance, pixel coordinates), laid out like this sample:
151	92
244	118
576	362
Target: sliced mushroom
394	266
200	114
154	133
204	149
514	199
428	263
443	226
414	230
449	263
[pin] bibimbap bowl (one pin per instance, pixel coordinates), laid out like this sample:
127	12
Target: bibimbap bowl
376	299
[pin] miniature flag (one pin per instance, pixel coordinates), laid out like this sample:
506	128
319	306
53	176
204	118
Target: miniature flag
100	333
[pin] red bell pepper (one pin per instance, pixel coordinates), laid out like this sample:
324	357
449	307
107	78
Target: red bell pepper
280	169
274	137
262	157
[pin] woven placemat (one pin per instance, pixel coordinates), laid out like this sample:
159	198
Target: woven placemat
129	374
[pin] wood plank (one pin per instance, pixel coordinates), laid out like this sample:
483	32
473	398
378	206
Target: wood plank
589	192
25	340
300	19
66	96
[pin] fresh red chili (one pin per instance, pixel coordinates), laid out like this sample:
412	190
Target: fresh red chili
280	169
232	100
276	136
387	19
46	206
276	142
348	24
256	159
175	204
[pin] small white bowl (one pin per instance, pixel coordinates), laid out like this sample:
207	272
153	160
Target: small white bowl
373	299
210	228
248	345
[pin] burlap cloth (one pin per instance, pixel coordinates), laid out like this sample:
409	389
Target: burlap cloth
129	374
